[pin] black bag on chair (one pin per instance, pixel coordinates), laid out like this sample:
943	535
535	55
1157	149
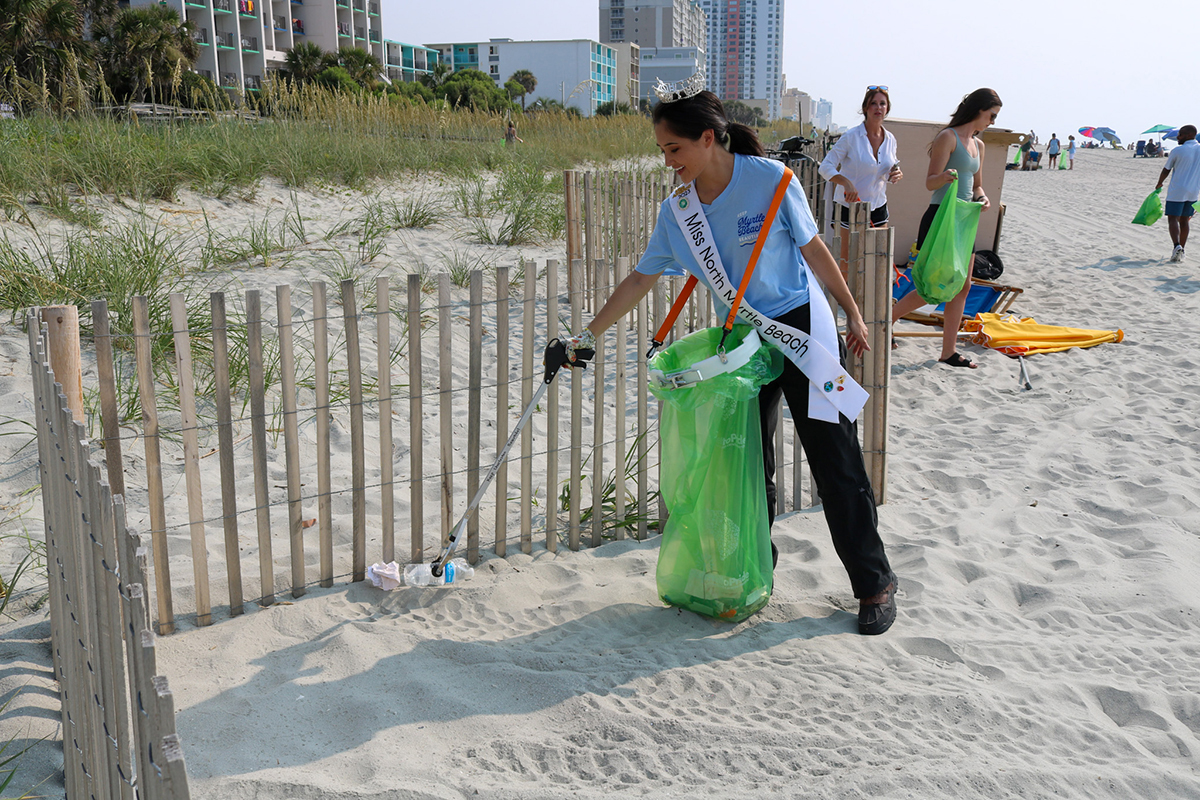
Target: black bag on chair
987	266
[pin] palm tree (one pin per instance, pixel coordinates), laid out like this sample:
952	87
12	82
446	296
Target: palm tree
305	61
41	41
146	48
436	76
364	67
528	83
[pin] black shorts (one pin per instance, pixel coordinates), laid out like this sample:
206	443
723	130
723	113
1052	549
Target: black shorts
879	217
926	221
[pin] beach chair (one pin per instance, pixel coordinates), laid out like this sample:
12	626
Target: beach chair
985	296
1141	149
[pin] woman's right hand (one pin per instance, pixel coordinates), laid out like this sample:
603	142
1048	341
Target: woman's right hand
848	189
949	176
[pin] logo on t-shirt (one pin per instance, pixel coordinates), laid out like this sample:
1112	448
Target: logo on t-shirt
748	227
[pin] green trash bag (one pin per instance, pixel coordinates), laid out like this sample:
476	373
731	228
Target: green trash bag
1062	159
715	555
1151	209
1017	156
948	251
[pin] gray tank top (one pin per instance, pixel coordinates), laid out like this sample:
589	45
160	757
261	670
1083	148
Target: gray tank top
967	165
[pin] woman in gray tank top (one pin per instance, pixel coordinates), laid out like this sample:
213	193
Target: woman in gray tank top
956	152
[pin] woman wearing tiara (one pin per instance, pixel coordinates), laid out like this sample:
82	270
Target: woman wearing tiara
723	163
861	165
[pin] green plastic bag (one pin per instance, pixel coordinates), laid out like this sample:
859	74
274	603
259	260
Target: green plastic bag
1017	156
715	555
1062	159
1150	211
948	251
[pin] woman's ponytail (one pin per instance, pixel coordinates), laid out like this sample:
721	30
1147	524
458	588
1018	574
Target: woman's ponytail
743	140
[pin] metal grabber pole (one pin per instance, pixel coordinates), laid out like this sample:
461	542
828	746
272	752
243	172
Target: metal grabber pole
553	365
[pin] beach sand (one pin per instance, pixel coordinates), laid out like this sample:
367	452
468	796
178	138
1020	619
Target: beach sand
1045	542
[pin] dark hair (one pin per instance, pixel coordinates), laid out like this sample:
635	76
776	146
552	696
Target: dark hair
690	118
870	95
1188	130
973	105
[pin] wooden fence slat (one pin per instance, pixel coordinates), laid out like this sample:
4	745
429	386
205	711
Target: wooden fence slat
191	457
503	309
112	660
620	387
324	468
383	339
154	485
474	406
258	439
575	299
601	273
552	413
109	416
358	463
529	303
224	408
291	434
642	442
416	453
446	405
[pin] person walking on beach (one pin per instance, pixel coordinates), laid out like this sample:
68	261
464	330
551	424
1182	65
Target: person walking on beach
722	164
1071	152
861	165
1052	149
956	152
510	134
1184	191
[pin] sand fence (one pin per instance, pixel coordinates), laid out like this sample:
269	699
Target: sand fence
119	740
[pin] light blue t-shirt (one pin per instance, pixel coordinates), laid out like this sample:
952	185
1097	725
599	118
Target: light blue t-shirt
780	282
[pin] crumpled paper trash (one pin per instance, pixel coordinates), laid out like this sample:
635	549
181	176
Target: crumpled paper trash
385	576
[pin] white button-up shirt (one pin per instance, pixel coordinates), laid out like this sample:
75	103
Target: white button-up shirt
853	157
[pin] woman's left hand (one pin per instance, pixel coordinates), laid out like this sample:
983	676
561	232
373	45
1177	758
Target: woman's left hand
983	199
856	335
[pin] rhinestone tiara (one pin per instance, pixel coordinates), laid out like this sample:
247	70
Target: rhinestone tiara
680	90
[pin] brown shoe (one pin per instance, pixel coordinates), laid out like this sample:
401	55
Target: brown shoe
877	613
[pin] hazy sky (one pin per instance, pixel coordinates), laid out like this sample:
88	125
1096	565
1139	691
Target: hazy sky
1056	66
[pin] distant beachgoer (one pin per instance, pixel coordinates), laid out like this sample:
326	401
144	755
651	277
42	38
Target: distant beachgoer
951	157
1052	149
1071	151
1025	147
862	164
510	135
1184	191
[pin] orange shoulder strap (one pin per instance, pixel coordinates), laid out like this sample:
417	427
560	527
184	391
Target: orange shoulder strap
680	301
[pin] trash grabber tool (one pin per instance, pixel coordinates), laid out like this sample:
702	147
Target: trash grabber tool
552	369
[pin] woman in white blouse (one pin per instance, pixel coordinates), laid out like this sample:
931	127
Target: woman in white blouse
862	164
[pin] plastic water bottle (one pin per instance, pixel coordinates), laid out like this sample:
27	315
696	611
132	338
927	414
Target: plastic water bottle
456	571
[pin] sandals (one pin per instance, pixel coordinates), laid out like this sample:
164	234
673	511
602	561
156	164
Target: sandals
956	360
875	618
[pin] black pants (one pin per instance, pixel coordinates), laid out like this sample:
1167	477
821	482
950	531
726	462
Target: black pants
838	470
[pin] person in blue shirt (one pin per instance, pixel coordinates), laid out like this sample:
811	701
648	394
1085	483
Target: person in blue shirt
734	184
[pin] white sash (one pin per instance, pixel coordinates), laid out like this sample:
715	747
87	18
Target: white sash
831	389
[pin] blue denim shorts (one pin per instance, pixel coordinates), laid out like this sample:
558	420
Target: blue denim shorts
1180	208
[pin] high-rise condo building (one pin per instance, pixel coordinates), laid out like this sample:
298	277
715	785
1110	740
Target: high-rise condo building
242	40
653	23
580	73
670	34
745	51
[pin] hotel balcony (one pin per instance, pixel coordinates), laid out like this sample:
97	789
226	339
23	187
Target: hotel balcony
254	83
373	9
229	80
343	29
201	36
223	6
298	26
250	44
280	23
226	41
373	35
